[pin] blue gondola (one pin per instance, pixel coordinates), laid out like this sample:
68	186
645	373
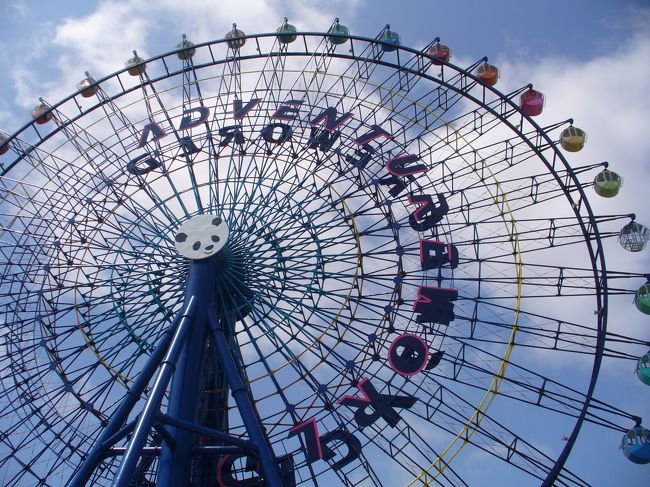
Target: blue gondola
390	39
636	445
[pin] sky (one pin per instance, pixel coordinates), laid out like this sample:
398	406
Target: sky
590	58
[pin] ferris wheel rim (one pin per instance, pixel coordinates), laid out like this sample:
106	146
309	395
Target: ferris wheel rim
596	256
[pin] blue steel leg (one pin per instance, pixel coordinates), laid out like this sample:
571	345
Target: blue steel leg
120	416
176	462
152	405
184	359
244	404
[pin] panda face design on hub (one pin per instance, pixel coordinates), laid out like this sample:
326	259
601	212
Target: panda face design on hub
201	236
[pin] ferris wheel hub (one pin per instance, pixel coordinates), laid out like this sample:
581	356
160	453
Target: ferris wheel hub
201	236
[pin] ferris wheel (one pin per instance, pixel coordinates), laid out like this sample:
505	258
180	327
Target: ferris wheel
303	258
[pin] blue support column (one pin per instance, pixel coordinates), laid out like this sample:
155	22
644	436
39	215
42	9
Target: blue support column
180	358
245	405
119	417
176	462
152	405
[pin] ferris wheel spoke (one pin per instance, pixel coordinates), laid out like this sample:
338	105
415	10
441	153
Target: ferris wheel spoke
183	154
525	191
356	78
407	436
424	114
552	280
229	90
406	442
548	234
278	181
241	185
540	187
131	141
546	280
525	385
411	68
295	419
192	83
61	201
243	193
483	432
304	374
304	335
533	330
284	202
295	363
94	154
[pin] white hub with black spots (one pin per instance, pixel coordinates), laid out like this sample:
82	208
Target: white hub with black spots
201	236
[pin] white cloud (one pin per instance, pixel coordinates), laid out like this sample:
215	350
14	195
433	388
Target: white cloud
58	54
606	96
103	40
21	8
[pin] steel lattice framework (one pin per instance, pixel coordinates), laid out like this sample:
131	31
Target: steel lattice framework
383	211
